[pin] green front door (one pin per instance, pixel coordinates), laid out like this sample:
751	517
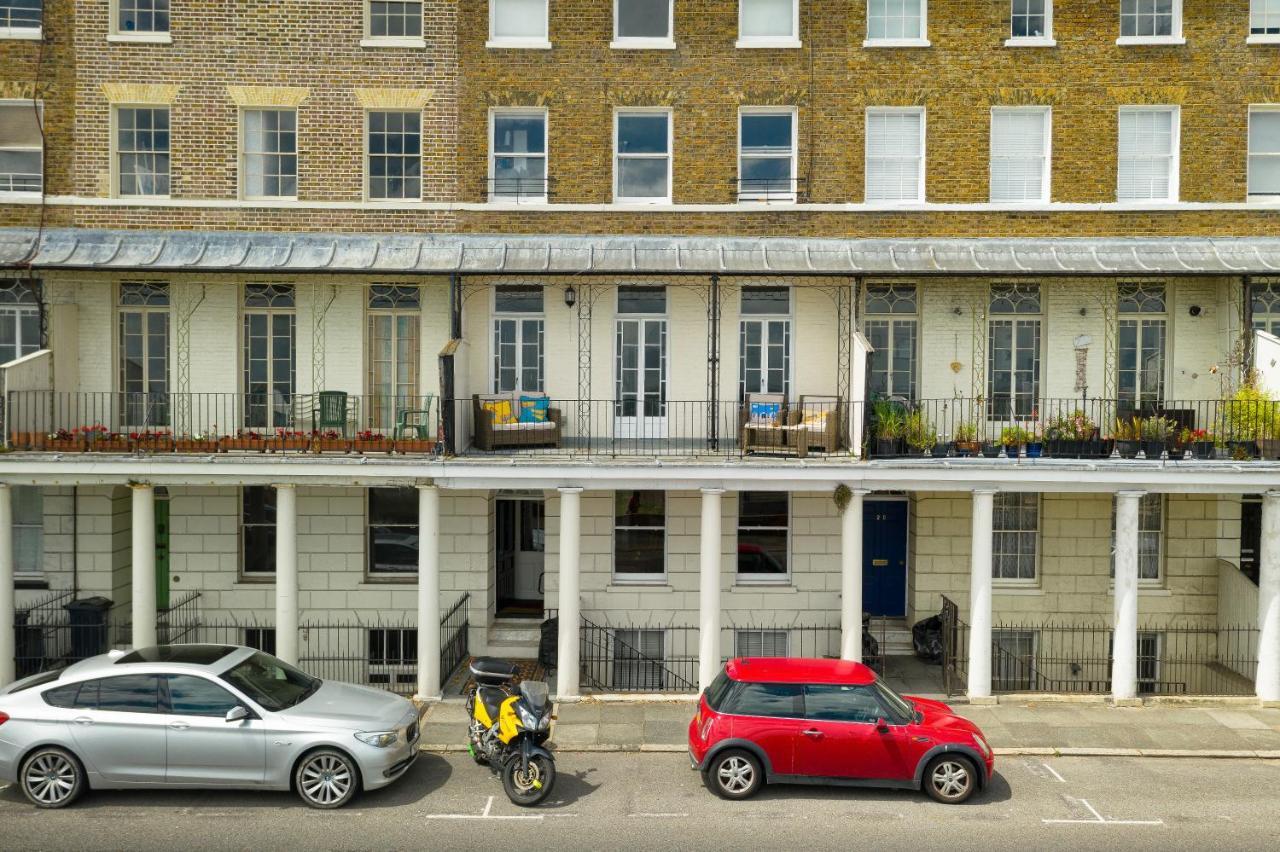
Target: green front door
162	555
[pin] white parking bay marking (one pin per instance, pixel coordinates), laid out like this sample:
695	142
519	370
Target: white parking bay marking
1099	819
660	816
1054	773
487	813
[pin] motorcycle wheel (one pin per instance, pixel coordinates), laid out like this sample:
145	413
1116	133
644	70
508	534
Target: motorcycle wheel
528	789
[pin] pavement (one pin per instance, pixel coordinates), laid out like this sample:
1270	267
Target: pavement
654	802
1013	728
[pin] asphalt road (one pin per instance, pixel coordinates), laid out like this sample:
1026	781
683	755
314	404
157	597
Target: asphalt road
653	801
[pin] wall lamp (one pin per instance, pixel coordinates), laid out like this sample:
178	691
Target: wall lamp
570	296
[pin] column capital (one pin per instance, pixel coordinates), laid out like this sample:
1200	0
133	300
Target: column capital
140	486
570	489
1271	495
280	485
1132	493
713	491
427	486
985	490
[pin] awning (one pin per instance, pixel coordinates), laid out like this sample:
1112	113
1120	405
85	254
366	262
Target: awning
274	252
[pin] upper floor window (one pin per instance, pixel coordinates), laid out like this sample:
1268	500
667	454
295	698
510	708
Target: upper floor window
1264	20
518	23
1013	352
1031	22
21	146
642	169
1264	152
518	330
21	18
891	324
1264	299
1141	332
388	21
142	151
767	154
897	23
1019	154
895	154
768	23
139	17
1150	22
394	145
643	23
19	319
1148	154
518	155
270	153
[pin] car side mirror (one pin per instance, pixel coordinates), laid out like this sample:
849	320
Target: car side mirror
882	726
238	713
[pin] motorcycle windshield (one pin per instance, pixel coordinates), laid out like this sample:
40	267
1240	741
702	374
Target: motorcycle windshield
535	692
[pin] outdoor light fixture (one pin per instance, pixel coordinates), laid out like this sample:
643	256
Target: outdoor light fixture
1195	310
570	296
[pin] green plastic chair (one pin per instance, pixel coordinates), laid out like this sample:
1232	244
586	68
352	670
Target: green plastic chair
331	411
415	420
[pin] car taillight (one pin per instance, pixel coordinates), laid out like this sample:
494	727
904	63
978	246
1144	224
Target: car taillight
4	717
697	718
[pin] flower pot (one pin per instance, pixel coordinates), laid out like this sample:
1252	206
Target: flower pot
1035	450
967	449
153	445
1241	450
194	445
1153	449
1128	449
331	445
886	446
1096	448
1177	453
243	444
371	445
108	445
288	445
1202	449
1012	451
65	445
415	445
26	440
991	451
940	451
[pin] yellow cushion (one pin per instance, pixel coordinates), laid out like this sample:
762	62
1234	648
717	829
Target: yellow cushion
501	410
815	419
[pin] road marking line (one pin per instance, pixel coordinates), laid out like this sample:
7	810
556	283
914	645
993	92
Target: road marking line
1099	818
487	813
660	815
488	806
1084	802
1054	772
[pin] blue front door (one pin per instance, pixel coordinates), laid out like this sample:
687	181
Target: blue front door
884	557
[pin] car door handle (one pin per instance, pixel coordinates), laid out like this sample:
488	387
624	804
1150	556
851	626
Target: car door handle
179	726
83	720
814	733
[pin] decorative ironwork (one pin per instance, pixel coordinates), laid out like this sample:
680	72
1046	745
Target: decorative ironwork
845	295
1015	298
586	302
394	297
186	310
144	294
1108	302
713	361
1141	297
978	343
318	332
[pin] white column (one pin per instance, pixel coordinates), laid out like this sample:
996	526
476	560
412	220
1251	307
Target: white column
144	566
980	595
428	592
567	666
1269	601
1124	641
709	588
851	579
287	573
8	669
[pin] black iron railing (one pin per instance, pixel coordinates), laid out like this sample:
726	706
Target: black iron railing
454	637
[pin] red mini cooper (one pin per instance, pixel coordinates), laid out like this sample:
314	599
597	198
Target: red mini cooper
793	721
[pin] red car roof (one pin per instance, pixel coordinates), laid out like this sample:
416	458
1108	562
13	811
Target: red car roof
795	670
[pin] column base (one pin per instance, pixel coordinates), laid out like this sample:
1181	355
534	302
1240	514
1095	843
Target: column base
428	699
1126	702
1269	705
983	700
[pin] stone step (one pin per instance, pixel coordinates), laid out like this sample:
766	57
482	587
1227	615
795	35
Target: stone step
519	635
512	650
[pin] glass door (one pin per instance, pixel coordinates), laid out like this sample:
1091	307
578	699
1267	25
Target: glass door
640	402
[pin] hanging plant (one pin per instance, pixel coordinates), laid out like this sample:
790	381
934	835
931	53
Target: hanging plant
842	496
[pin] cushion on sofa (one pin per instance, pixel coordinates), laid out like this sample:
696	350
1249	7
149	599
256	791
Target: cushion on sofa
501	409
534	409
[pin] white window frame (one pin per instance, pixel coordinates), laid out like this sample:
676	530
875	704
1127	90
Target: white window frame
505	42
924	154
1046	155
1046	40
518	317
371	40
1262	38
774	634
1174	38
618	198
753	579
771	42
1020	582
115	34
921	40
21	496
631	578
367	156
39	106
621	42
24	33
765	195
1175	155
243	154
1249	155
1144	582
115	150
490	192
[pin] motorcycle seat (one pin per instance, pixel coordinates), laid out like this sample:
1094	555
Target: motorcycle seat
492	671
491	697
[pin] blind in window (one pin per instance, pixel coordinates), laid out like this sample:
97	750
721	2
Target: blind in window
1264	152
766	19
525	19
1146	158
1018	146
894	148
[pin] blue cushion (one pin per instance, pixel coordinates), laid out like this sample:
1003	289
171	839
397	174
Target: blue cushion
761	411
533	409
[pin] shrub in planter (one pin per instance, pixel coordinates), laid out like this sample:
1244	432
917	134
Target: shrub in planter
1071	435
1155	432
890	425
1128	435
966	442
920	435
1012	438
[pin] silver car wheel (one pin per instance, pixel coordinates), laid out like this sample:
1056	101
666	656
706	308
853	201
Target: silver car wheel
736	774
325	779
951	779
50	779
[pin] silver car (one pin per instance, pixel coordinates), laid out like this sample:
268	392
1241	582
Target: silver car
200	716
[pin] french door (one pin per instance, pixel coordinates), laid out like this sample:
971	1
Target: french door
269	368
766	356
640	378
144	368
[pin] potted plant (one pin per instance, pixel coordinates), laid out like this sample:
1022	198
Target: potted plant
244	440
1155	432
288	440
967	440
1073	435
1201	443
99	439
1179	443
414	445
1012	438
151	441
890	425
197	443
920	435
1034	443
369	441
1128	436
1248	418
65	441
329	441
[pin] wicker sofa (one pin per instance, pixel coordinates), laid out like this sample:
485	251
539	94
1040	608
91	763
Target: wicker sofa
814	423
491	435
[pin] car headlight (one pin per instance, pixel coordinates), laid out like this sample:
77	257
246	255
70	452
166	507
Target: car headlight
377	739
982	745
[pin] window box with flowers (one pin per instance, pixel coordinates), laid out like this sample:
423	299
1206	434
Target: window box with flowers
151	442
329	441
197	443
1075	435
244	441
99	439
414	445
64	440
289	441
26	440
371	442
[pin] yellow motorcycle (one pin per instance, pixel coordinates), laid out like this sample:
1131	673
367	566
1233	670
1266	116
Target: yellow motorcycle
508	728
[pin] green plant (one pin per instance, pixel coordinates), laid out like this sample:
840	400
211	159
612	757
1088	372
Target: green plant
1013	436
891	423
1076	426
1251	413
919	432
1156	429
967	433
1128	430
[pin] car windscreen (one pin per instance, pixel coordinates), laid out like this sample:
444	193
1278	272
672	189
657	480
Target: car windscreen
897	705
272	683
